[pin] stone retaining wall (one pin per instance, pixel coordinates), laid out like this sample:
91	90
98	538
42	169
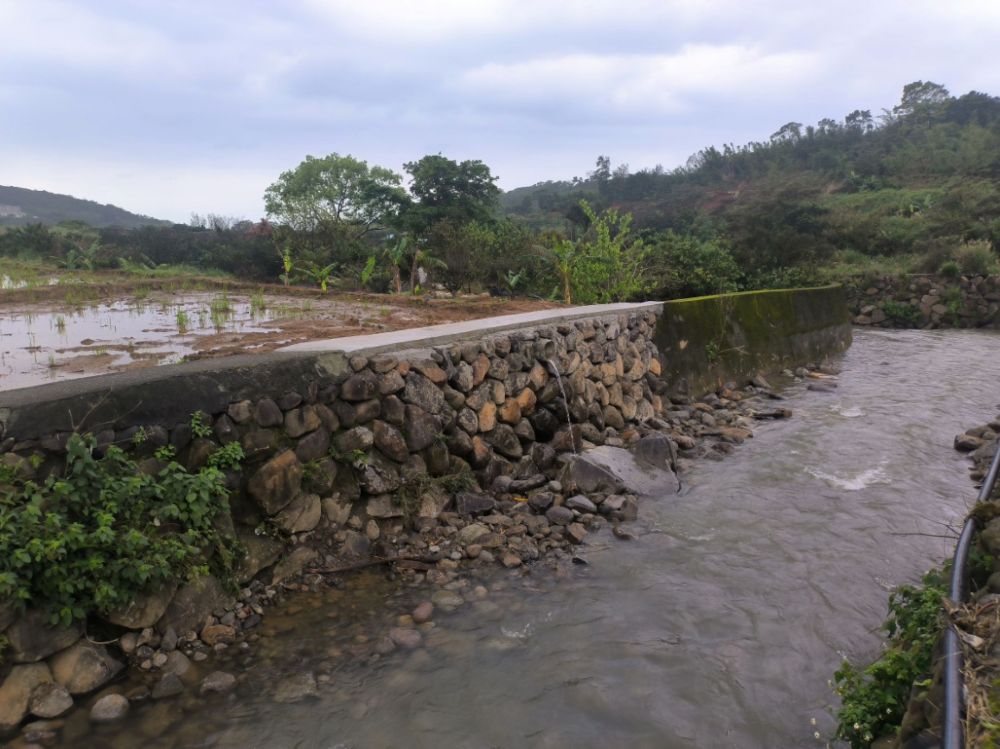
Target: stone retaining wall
926	302
333	434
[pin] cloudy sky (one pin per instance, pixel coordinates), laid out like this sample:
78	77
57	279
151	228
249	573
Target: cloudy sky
168	107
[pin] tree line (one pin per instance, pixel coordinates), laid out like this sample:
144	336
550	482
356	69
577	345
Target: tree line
918	182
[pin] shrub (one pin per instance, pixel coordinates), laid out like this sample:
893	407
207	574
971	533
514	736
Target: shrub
874	698
902	314
976	258
105	532
687	266
950	269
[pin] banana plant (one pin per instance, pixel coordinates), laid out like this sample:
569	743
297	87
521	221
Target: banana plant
285	253
321	275
397	255
423	258
565	257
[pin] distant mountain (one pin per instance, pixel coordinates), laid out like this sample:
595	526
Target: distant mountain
20	206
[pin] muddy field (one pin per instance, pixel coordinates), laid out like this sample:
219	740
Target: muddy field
60	331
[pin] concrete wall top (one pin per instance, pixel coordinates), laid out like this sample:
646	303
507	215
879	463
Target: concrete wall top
436	335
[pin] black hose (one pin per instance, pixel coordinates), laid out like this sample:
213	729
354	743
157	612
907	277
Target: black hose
951	737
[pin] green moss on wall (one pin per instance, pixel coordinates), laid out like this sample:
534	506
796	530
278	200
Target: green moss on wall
708	340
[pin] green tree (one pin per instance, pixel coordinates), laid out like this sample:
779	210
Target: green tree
613	264
448	190
684	265
335	189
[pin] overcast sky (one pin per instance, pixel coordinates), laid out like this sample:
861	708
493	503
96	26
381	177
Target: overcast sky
168	107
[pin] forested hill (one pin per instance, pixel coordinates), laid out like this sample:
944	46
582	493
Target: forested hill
20	206
923	171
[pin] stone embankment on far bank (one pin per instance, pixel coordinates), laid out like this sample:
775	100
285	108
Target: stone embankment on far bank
503	451
926	301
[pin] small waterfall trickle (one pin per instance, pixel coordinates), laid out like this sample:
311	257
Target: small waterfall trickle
569	419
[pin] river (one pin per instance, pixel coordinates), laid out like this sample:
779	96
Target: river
719	626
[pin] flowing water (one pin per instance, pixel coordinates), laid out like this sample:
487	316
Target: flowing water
720	626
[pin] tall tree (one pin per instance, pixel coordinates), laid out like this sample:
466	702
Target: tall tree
448	190
335	189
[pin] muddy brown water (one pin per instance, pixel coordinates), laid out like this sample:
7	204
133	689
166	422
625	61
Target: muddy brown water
719	626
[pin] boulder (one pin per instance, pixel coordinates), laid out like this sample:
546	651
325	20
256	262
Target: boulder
390	441
50	700
420	391
267	414
301	515
193	603
31	638
83	667
421	429
360	387
613	470
277	482
383	506
217	682
260	551
144	610
471	503
379	475
313	446
505	441
109	708
296	688
433	502
16	691
293	564
657	450
337	510
358	438
487	417
169	685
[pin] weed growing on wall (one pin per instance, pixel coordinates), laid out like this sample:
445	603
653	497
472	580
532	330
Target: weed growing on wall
901	313
874	698
104	532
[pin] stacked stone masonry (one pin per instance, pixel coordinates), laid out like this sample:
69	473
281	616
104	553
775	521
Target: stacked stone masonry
926	302
329	459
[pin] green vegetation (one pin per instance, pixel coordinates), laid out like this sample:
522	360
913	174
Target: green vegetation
874	698
105	531
901	313
915	190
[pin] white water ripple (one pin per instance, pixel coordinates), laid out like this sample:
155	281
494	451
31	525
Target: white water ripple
850	412
866	478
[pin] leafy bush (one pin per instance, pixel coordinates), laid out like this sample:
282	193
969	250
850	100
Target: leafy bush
952	298
950	269
901	313
976	258
686	266
105	532
874	698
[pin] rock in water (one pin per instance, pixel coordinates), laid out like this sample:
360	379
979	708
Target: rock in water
614	470
217	682
296	688
109	708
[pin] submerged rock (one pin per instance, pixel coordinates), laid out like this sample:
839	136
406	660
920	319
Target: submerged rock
296	688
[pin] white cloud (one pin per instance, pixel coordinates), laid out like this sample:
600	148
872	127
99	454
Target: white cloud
657	83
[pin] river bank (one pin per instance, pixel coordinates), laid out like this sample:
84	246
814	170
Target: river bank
532	524
719	625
